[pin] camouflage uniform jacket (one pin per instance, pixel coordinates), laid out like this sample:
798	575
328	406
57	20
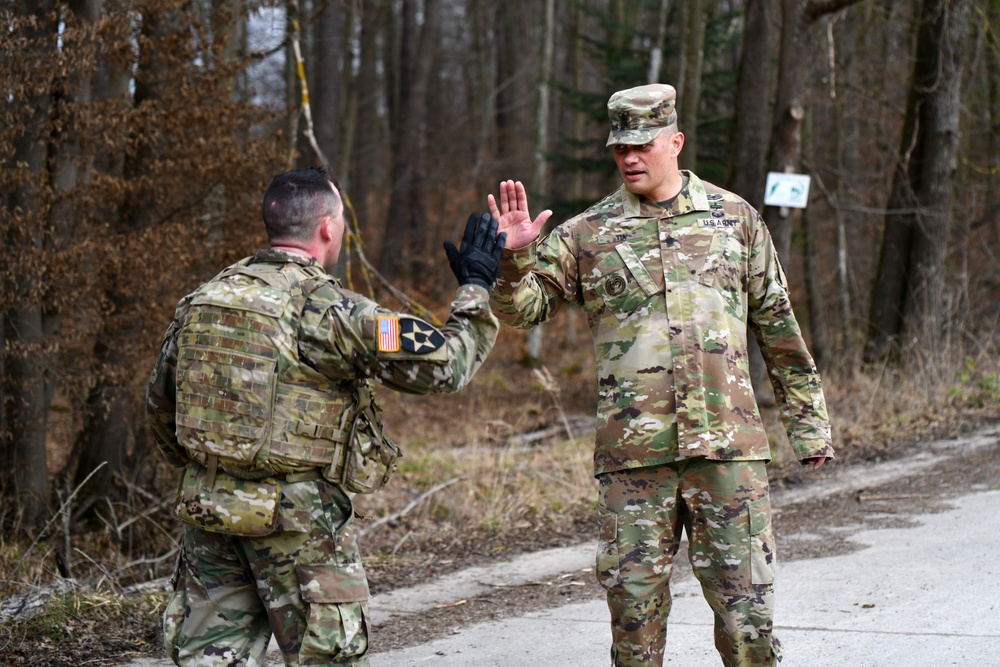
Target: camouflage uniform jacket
338	341
668	295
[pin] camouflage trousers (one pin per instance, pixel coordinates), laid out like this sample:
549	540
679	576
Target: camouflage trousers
308	587
725	509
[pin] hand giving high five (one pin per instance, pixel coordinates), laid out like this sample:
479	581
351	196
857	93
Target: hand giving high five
513	216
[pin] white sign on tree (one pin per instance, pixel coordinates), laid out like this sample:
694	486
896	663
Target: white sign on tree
788	190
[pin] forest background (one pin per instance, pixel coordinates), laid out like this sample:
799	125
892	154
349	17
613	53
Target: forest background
138	136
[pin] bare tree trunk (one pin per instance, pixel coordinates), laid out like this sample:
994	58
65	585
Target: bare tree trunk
579	119
908	291
292	96
540	173
326	77
513	45
110	408
786	133
364	162
848	162
25	471
690	95
482	82
682	49
748	145
789	111
656	53
407	215
344	152
925	316
814	303
790	103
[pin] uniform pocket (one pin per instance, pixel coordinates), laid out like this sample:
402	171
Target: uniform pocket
711	252
608	562
624	290
619	293
762	559
230	505
330	584
335	597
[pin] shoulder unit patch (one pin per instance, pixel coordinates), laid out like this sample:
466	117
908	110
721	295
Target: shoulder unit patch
418	337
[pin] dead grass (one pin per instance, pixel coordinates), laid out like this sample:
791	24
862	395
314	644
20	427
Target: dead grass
497	483
505	495
85	626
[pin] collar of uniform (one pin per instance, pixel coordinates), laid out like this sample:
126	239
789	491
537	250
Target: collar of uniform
691	198
634	206
281	256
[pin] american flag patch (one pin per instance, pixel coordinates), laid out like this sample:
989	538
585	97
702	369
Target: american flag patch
388	334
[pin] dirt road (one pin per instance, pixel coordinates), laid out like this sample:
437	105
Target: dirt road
882	563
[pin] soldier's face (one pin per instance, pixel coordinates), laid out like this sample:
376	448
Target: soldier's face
650	169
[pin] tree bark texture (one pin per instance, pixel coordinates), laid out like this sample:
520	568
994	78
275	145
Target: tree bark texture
656	53
407	216
364	170
751	129
327	77
908	299
25	473
690	96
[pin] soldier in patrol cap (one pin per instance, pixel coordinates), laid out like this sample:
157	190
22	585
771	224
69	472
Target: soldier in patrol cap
261	391
670	271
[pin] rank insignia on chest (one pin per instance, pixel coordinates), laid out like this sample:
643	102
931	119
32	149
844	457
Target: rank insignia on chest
418	337
388	334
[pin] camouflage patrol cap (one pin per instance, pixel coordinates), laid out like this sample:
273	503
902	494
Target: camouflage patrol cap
638	114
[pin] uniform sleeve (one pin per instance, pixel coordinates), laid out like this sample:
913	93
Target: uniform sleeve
536	280
791	368
161	405
352	337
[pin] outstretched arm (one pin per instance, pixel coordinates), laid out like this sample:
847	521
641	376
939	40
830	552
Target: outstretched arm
513	217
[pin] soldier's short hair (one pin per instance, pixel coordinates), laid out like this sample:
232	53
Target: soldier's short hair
296	201
639	114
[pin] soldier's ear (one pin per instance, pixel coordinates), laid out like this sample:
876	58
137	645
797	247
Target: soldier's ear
326	228
676	143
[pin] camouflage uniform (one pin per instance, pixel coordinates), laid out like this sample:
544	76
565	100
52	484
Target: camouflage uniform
668	294
257	391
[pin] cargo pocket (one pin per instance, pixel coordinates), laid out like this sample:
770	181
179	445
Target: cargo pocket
228	505
336	601
608	563
761	542
173	614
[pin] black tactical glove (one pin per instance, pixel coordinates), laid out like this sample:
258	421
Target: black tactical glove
478	262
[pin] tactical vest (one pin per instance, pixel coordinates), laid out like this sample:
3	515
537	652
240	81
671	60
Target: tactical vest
244	400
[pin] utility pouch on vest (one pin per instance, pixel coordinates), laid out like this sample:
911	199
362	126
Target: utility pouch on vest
371	456
227	504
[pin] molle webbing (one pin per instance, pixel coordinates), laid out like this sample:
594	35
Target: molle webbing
243	395
225	382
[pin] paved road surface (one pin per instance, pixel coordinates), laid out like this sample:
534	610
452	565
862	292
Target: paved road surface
919	596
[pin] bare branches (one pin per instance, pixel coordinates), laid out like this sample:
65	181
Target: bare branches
412	505
817	9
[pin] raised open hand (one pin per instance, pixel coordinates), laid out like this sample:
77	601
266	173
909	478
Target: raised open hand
513	217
